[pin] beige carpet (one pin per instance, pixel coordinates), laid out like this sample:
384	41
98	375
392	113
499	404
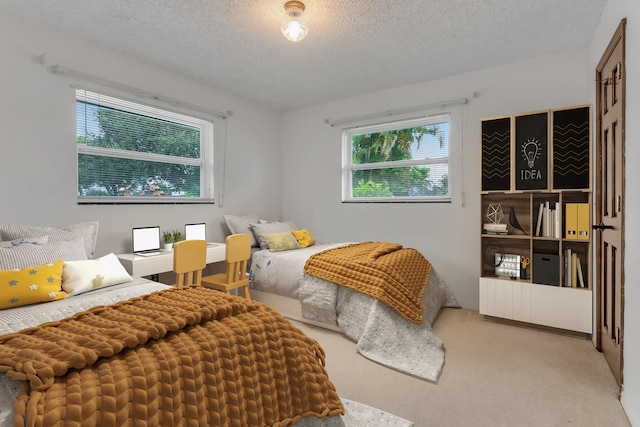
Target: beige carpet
494	375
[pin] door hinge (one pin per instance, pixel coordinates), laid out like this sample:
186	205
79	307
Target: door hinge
619	204
618	337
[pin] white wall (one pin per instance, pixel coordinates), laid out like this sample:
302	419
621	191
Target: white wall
447	234
37	141
615	11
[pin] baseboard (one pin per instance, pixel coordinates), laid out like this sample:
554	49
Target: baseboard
544	328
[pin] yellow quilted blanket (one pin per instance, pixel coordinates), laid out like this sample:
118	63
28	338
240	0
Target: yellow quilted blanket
178	357
395	275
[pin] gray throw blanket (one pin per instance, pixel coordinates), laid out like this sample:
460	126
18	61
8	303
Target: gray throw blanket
380	333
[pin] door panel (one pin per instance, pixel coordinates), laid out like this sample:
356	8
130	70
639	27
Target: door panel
610	91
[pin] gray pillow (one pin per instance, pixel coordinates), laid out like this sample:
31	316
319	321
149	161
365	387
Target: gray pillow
269	228
38	240
88	231
242	225
31	255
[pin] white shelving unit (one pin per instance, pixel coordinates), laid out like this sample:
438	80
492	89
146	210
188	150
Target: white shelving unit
509	174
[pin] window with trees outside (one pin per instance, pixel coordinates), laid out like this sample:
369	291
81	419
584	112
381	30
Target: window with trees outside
400	161
134	153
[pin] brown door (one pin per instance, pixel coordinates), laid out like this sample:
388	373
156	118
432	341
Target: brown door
609	224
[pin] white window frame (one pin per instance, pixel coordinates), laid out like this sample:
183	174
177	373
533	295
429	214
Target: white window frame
348	167
205	162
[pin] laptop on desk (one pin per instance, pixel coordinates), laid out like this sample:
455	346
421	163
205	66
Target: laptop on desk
197	232
146	241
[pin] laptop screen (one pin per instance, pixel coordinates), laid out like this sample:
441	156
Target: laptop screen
195	231
146	239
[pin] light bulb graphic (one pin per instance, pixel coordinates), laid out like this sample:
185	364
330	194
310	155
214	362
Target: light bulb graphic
531	151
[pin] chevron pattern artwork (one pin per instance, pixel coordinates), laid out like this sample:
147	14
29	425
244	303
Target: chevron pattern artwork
496	154
571	148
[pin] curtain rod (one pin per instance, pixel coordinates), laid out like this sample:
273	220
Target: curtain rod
59	69
460	101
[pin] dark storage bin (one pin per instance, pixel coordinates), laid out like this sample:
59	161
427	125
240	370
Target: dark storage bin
546	269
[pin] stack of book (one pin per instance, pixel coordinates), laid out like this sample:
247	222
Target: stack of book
549	220
573	276
495	228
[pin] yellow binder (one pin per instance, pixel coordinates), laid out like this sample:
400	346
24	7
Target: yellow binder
584	222
571	221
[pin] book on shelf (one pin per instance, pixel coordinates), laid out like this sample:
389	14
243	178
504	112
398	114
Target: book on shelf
581	283
574	270
573	274
539	224
549	220
491	228
557	221
567	268
545	220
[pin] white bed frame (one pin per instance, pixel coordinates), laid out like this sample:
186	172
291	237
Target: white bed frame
289	308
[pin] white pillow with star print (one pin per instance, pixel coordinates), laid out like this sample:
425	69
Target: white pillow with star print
83	276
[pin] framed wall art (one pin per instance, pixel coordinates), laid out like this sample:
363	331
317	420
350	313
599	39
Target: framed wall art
496	154
531	153
571	153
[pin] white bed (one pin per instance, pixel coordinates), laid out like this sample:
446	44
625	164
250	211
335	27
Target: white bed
13	320
16	319
75	245
281	272
278	279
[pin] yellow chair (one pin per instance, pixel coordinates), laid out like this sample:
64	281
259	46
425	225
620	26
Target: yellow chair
237	253
189	259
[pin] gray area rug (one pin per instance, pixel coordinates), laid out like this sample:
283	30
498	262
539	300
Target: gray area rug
357	415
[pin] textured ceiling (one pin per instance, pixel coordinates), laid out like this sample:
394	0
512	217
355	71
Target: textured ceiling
353	47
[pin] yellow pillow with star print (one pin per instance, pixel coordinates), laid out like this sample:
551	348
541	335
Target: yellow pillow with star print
304	237
31	285
83	276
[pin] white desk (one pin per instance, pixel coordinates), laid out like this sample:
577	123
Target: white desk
150	265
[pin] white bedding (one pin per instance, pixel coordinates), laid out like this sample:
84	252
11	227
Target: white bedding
379	332
280	273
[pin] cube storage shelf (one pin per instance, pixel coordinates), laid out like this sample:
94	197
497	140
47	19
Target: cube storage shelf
536	175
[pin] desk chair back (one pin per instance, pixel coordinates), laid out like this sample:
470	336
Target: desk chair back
237	254
189	259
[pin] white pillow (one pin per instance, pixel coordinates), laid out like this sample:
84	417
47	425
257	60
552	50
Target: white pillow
83	276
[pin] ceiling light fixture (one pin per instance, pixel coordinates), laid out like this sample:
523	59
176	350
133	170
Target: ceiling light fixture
294	28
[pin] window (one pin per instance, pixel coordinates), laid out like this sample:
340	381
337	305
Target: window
133	153
400	161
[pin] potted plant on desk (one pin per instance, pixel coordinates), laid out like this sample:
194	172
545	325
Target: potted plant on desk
167	236
177	236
